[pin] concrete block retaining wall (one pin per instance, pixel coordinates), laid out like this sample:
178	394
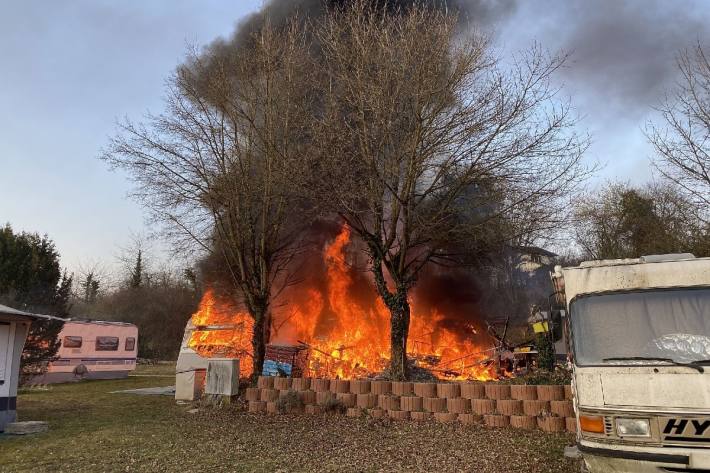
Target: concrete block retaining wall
547	407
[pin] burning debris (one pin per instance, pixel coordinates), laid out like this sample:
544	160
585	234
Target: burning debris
335	326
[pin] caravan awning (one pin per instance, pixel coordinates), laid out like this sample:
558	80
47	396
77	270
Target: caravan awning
10	314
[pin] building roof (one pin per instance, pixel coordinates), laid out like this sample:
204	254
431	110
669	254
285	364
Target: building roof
99	322
9	312
535	250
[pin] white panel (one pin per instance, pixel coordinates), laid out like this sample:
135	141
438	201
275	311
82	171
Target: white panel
619	277
5	360
222	377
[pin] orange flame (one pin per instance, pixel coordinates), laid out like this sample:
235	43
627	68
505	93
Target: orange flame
348	337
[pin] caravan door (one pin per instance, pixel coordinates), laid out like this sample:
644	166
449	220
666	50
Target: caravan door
4	348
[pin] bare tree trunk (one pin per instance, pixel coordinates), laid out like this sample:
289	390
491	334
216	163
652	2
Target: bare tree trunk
399	332
260	338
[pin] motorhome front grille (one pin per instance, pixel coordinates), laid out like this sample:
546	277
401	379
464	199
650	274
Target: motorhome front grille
608	425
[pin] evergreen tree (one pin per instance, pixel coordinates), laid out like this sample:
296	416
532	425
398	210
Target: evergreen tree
546	352
136	279
90	288
31	280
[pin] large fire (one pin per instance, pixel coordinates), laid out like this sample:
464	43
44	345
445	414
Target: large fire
346	328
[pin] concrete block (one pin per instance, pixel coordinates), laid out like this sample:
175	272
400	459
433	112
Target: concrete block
572	451
434	404
523	392
353	412
497	391
269	395
411	403
324	397
473	391
348	399
458	405
320	385
272	408
282	383
523	422
569	395
377	413
398	415
421	416
340	385
27	427
257	406
265	382
483	406
550	392
380	387
509	407
496	420
366	401
360	386
252	394
445	417
571	424
551	424
388	402
562	408
402	388
448	390
425	389
300	384
536	408
469	419
307	397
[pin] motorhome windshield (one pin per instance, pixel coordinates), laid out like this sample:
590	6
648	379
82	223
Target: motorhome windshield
644	327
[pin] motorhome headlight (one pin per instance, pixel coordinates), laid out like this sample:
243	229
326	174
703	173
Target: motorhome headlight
633	427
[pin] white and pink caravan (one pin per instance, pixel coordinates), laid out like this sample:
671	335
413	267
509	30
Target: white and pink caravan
93	349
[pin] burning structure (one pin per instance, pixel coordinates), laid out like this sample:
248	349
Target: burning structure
334	325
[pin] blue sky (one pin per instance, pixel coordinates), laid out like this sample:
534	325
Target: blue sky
70	69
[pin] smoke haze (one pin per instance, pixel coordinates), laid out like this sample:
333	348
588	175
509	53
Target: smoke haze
623	51
620	51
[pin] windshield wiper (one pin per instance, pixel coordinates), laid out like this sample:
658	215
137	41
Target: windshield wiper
695	364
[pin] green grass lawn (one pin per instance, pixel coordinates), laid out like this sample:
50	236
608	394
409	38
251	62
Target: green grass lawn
92	430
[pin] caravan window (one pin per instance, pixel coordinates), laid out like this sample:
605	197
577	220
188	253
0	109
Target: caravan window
130	343
106	343
72	342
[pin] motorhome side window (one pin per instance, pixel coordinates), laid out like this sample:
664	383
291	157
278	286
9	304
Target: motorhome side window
106	343
130	343
72	342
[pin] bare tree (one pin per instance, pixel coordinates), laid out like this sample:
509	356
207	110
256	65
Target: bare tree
683	145
427	142
621	221
221	166
136	260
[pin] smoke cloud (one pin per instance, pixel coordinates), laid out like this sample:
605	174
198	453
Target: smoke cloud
622	52
479	13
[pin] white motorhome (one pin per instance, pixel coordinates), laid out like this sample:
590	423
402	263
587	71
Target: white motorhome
640	348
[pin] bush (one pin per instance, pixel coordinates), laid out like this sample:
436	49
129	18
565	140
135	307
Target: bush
334	406
289	403
546	352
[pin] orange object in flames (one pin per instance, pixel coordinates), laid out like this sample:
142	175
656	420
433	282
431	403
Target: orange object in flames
348	333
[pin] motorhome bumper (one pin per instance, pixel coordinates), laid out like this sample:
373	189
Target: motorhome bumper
601	459
638	456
